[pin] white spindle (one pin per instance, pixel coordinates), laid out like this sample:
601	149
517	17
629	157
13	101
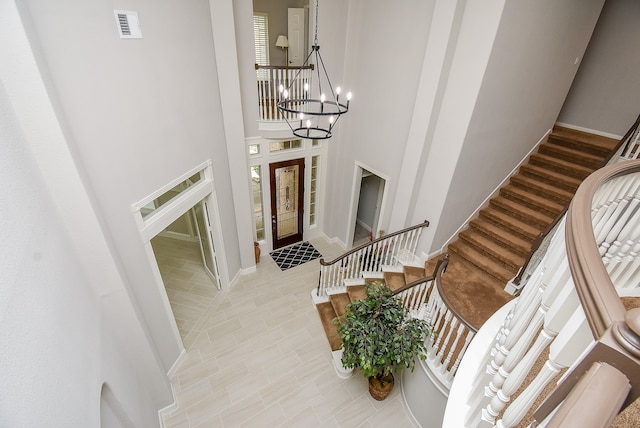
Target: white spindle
570	343
624	230
441	343
454	345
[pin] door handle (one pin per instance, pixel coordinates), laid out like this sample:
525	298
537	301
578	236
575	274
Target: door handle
273	219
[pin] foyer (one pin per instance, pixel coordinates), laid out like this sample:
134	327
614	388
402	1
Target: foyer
256	360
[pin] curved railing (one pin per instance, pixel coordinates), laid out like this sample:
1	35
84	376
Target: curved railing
425	300
570	316
627	148
609	234
370	257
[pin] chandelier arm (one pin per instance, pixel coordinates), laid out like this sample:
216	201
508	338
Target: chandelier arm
321	62
306	62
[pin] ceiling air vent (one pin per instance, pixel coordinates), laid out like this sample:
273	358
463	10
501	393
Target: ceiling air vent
128	24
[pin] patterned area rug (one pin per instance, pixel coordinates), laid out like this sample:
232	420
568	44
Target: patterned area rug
289	257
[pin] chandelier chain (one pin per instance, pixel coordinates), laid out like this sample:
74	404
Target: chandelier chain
315	39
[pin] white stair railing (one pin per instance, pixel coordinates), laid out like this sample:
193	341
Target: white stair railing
452	334
371	257
554	314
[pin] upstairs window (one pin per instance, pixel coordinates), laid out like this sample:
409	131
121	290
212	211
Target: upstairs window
261	41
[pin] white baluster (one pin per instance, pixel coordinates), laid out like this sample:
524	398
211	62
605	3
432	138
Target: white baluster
572	341
451	323
467	340
561	300
628	236
454	345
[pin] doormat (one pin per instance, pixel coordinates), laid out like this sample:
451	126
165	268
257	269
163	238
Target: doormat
289	257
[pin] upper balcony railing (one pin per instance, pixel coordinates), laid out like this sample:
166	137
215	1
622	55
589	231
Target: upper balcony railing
270	77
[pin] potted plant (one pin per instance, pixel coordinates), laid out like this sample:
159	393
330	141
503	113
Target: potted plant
380	338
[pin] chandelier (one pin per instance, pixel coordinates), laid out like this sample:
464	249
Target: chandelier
309	104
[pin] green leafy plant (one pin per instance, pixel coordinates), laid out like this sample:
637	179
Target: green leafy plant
378	336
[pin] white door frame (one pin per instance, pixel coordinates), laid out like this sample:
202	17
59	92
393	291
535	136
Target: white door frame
355	198
155	223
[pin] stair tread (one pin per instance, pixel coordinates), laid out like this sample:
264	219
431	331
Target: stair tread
505	236
510	222
554	163
553	176
487	264
532	199
520	210
394	280
578	156
493	249
605	144
413	273
356	292
327	314
542	187
339	302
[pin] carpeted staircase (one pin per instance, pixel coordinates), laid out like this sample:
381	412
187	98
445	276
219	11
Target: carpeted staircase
496	244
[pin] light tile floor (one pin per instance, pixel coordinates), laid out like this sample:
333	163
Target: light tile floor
360	235
257	357
191	292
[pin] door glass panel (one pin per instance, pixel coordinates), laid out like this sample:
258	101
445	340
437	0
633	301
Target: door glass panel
287	200
256	188
169	195
206	241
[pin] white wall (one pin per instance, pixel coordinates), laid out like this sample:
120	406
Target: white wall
529	69
56	349
137	114
58	345
382	63
605	93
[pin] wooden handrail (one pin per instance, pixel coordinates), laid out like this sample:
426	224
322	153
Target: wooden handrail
629	133
356	249
599	298
540	238
441	267
595	400
283	67
406	287
615	330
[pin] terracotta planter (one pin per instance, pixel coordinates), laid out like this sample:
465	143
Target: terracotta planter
380	387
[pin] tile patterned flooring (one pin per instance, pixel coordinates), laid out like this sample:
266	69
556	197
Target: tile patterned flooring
257	356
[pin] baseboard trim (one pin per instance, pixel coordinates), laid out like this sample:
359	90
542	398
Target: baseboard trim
335	241
590	131
171	407
364	225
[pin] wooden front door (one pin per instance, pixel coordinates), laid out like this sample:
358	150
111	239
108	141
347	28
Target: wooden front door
287	201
